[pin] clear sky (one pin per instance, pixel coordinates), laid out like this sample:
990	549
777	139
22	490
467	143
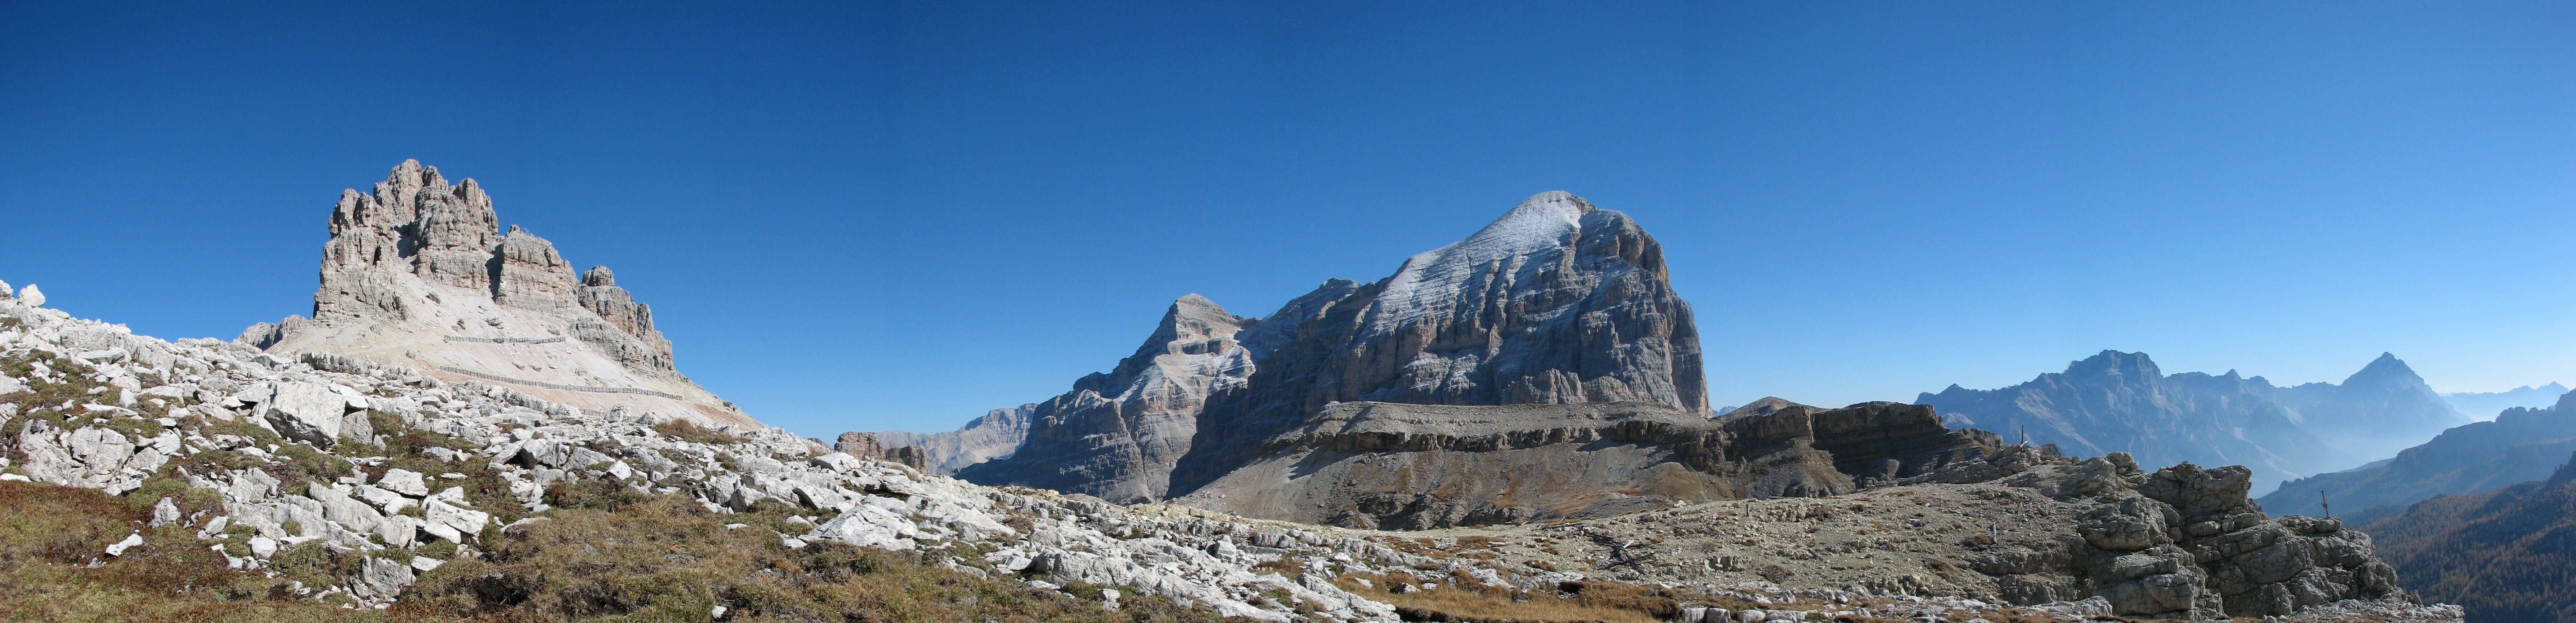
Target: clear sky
865	216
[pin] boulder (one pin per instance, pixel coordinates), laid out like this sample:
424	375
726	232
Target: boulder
164	513
857	444
309	412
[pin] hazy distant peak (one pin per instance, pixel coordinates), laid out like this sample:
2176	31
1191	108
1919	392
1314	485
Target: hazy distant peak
2115	363
2386	370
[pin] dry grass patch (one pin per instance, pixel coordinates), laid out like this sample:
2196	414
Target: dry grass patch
1459	599
667	559
50	535
685	430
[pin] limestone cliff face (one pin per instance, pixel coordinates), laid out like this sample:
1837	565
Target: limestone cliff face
1116	435
1557	302
419	273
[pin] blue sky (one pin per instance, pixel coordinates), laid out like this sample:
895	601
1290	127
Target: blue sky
863	216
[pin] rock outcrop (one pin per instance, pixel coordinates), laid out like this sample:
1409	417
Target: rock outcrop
866	446
419	273
2121	402
1557	302
995	435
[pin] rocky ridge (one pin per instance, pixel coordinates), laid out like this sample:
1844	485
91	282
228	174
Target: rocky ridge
2519	445
419	273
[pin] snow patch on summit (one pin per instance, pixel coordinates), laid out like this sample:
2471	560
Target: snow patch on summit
1540	228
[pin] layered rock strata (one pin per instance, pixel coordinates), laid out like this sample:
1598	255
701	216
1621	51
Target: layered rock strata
1557	302
419	273
1401	466
2027	528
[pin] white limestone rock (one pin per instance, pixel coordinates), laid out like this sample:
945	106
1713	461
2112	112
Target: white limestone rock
164	513
308	412
405	482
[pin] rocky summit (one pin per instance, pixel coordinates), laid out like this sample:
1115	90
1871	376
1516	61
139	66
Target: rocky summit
419	273
1556	302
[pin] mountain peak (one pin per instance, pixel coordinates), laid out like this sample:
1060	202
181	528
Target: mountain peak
420	274
2388	371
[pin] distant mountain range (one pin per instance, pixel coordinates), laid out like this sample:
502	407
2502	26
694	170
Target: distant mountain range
2507	555
2520	445
2484	405
2121	402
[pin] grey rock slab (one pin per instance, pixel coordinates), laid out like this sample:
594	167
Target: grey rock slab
405	482
461	520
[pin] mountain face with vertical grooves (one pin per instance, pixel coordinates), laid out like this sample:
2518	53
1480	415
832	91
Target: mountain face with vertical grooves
2519	445
419	273
2121	402
1557	302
